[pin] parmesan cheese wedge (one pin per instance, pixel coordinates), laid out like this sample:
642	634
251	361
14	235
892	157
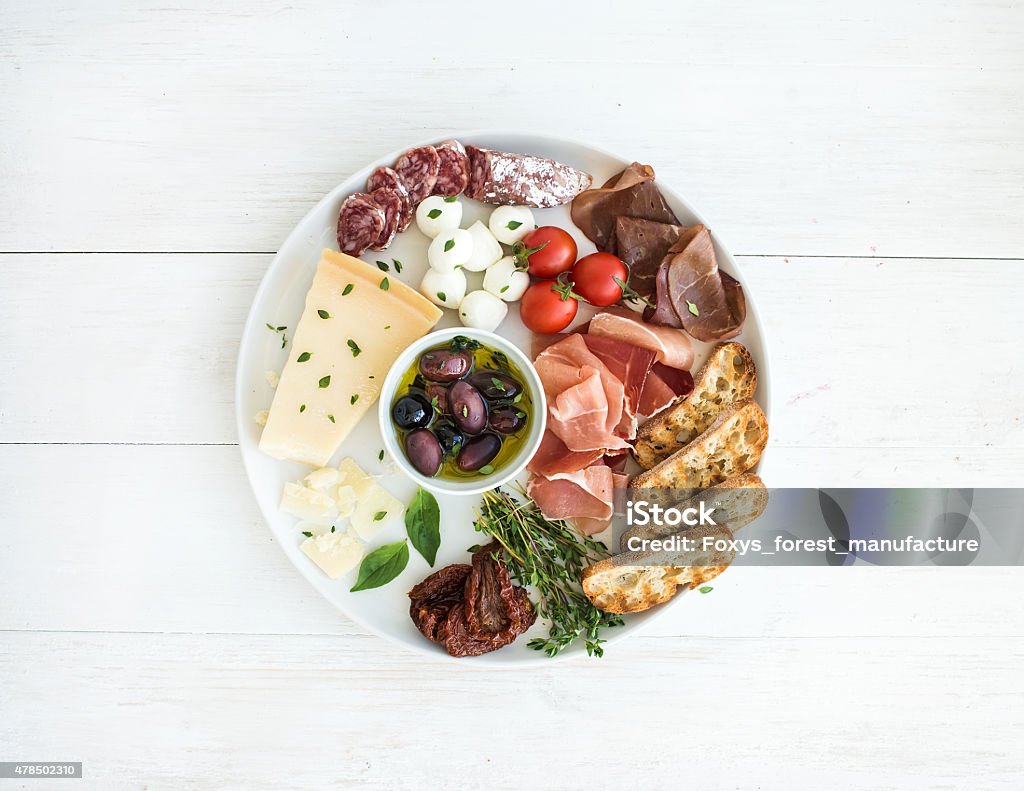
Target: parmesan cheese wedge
335	553
356	322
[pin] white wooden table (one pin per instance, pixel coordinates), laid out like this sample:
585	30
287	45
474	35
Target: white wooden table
864	161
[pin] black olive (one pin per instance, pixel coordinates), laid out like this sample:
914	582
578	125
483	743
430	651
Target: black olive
449	435
411	411
468	408
437	395
496	385
424	451
439	365
478	452
506	419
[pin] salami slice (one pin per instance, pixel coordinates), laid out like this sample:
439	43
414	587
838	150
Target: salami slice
360	223
417	168
386	177
506	178
453	175
389	202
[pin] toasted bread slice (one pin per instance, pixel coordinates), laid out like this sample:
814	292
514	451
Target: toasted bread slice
731	446
637	581
727	377
737	502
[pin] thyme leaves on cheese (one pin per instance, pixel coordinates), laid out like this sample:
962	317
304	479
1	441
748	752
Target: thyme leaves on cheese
304	357
348	289
385	284
354	398
325	382
323	314
354	347
549	556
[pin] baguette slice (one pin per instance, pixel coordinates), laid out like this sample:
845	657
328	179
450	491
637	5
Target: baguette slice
637	581
727	377
737	503
732	445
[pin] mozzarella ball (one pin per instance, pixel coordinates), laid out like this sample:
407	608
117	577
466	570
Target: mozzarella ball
486	249
450	250
482	311
436	215
510	224
445	289
505	281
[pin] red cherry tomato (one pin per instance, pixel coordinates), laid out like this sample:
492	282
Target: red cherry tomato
547	306
593	278
557	251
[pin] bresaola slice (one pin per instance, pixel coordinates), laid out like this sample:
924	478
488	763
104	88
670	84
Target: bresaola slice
693	293
642	244
631	193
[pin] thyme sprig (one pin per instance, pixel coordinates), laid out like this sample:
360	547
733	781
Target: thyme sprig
550	557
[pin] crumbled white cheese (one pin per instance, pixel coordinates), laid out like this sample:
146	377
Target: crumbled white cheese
261	417
273	378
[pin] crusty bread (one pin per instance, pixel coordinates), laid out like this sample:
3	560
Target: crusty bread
732	445
727	377
737	502
637	581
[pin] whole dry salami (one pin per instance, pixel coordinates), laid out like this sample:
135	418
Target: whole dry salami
386	177
389	202
522	179
453	175
360	223
417	168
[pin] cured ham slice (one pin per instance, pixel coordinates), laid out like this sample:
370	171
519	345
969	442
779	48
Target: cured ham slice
672	347
663	386
584	496
585	400
630	365
552	457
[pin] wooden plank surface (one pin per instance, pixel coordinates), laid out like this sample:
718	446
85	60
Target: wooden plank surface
800	128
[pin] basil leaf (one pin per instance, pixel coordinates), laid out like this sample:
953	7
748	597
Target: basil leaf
381	566
434	214
423	524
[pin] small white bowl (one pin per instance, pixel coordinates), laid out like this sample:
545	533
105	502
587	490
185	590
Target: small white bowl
538	419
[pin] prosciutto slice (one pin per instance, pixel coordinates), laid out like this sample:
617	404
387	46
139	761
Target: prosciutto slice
630	365
671	346
552	457
585	400
584	496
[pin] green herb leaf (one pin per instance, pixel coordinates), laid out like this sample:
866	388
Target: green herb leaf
271	327
462	343
705	589
692	308
354	398
325	381
348	289
442	296
380	456
304	357
323	314
503	289
284	340
307	534
387	326
332	528
423	524
434	214
385	285
302	407
354	347
330	418
449	245
398	265
382	565
513	225
487	469
451	199
383	266
498	384
379	516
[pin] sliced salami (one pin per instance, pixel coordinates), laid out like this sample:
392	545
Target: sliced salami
386	177
360	223
389	202
453	175
506	178
417	168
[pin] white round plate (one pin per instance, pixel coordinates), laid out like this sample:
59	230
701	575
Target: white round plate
279	301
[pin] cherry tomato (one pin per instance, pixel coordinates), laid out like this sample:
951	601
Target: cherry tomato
592	278
548	307
557	251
